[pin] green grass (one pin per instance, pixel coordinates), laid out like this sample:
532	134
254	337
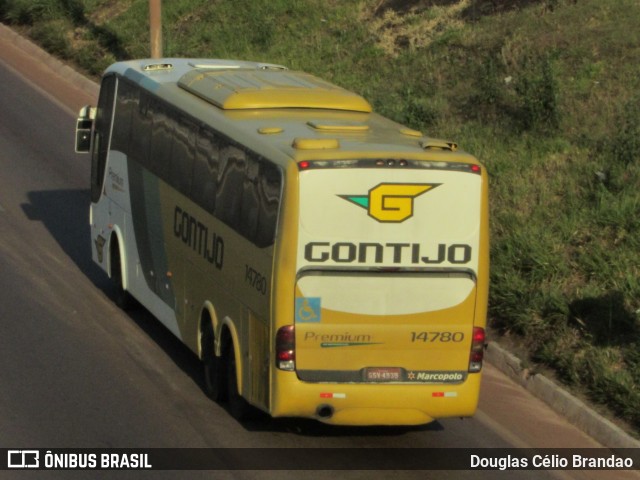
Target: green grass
544	94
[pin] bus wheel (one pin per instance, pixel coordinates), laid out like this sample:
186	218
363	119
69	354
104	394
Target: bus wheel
214	384
238	406
122	298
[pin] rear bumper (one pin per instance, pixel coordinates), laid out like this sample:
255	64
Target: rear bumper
373	403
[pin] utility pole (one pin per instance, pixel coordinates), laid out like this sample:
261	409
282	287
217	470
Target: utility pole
155	27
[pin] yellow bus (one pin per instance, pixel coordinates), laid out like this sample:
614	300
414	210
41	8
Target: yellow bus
321	260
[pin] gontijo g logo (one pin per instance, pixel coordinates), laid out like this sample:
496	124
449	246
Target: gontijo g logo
391	202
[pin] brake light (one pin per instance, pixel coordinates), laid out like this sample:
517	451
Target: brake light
286	348
477	350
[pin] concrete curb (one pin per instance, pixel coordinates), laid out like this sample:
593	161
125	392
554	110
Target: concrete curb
61	69
565	404
562	402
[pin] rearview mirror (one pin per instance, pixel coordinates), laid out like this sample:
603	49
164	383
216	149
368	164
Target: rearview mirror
84	125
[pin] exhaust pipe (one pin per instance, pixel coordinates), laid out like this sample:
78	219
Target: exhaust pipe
324	411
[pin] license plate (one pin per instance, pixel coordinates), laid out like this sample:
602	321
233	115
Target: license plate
383	374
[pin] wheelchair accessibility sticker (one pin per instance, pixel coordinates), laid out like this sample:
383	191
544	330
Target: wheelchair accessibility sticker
308	309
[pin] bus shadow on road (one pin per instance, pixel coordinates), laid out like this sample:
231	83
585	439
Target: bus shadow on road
65	214
313	428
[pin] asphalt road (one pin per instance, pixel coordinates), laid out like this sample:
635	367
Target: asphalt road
79	373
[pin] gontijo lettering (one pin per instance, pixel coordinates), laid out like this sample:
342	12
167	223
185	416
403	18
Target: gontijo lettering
395	253
196	235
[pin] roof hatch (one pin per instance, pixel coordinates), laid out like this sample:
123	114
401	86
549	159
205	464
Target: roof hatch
241	89
434	143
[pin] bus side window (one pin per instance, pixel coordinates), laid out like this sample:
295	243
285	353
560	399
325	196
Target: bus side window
249	209
269	190
182	154
101	135
230	185
125	105
162	131
140	130
205	170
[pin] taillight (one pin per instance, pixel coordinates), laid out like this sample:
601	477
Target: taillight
286	348
477	350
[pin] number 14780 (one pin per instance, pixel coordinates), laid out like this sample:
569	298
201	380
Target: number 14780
433	337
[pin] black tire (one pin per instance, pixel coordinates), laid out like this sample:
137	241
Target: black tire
215	385
123	299
239	408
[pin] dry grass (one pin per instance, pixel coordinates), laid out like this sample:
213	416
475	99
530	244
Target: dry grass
414	29
107	10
